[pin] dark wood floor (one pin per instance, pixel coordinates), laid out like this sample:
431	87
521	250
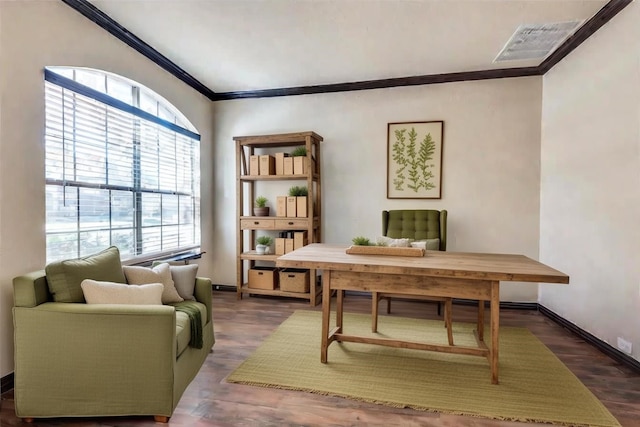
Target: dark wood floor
240	327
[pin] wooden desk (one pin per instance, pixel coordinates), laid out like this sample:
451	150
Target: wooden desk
440	274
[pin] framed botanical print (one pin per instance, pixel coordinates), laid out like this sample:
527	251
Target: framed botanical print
414	160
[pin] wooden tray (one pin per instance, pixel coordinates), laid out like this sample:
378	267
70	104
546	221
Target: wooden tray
384	250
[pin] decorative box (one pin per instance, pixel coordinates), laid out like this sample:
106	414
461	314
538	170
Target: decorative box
267	165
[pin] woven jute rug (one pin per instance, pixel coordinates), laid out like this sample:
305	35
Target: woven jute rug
534	385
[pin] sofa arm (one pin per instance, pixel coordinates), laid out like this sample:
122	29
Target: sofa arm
67	353
30	290
202	293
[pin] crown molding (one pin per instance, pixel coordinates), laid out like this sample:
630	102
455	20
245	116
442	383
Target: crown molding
604	15
384	83
103	20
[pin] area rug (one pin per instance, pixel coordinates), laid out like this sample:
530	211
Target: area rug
534	385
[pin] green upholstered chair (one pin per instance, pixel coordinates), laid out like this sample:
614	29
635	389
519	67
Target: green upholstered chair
423	224
419	224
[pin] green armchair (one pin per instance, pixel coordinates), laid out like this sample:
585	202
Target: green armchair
429	226
82	360
417	225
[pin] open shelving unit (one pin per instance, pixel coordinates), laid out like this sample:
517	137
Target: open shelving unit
247	225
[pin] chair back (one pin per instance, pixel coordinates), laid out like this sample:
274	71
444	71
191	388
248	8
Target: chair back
417	224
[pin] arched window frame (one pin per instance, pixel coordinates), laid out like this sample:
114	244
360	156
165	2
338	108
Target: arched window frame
122	168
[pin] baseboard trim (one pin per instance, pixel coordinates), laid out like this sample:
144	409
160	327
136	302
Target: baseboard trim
604	347
6	383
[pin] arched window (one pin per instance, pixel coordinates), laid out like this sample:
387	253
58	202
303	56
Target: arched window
122	168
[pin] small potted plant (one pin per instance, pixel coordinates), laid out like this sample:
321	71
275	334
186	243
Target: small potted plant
299	155
300	195
298	191
262	244
299	151
261	208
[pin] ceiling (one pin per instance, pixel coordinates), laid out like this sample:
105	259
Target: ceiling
253	45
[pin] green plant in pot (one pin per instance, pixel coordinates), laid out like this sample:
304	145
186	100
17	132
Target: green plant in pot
299	151
261	208
300	194
262	244
299	159
297	191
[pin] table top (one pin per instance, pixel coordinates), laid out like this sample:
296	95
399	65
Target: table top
482	266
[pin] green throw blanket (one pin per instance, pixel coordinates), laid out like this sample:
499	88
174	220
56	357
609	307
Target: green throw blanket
195	320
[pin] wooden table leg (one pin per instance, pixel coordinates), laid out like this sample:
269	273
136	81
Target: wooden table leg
495	330
374	312
339	306
326	314
313	283
448	323
481	320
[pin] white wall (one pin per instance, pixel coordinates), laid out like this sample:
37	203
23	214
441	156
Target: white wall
491	162
590	182
35	34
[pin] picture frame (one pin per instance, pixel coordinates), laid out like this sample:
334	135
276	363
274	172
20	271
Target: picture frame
414	160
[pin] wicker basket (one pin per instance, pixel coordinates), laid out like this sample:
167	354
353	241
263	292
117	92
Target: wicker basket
294	280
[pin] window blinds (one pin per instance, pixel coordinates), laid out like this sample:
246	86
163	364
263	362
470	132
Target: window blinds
116	175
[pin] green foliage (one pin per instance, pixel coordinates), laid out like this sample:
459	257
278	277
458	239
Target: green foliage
264	240
398	150
361	241
299	151
414	162
427	150
298	191
261	202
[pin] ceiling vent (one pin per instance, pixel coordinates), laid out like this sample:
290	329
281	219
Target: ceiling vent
536	41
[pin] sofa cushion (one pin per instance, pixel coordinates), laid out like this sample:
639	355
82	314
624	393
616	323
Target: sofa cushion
184	277
183	332
158	274
96	292
183	327
64	278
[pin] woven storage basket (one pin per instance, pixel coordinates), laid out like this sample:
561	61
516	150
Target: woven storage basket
294	280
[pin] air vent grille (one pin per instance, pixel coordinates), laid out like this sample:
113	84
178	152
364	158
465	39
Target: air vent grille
536	41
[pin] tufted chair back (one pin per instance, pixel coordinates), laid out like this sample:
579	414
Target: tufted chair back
418	224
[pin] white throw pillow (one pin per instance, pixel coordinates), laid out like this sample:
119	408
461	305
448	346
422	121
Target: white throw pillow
393	243
96	292
184	277
159	274
427	244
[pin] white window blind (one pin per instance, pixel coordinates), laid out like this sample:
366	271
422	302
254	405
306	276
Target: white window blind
116	174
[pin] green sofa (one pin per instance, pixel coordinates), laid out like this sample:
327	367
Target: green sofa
80	360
